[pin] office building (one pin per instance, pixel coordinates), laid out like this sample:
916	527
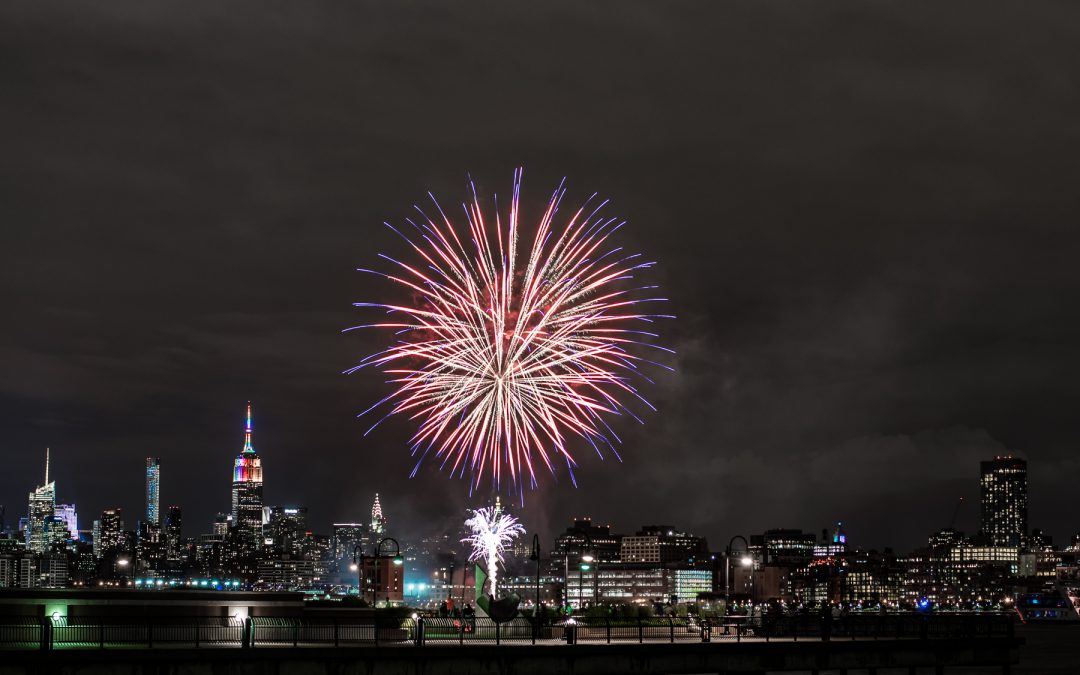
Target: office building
66	512
173	533
672	544
42	506
1003	490
384	581
247	497
583	538
109	536
285	528
786	547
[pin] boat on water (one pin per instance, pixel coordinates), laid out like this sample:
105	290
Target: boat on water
1051	607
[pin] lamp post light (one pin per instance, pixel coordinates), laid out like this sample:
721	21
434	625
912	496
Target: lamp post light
535	557
121	568
583	567
398	560
357	566
586	557
450	590
727	567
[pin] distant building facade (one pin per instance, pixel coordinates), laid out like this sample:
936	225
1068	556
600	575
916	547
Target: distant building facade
1004	501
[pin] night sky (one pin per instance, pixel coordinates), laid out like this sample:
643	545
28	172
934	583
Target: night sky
865	214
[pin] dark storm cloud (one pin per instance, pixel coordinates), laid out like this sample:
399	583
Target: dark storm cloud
865	215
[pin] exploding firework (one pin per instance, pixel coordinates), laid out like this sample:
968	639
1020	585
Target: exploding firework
514	341
492	532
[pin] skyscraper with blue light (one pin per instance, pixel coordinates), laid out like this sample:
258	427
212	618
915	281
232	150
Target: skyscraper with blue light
153	491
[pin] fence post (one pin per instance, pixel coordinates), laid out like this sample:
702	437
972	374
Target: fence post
607	624
296	632
671	623
420	632
101	634
496	632
247	633
336	638
197	631
45	641
461	624
535	625
150	634
640	631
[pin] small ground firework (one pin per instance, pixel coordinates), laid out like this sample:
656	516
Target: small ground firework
492	533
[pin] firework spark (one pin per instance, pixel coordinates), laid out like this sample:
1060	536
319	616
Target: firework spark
492	533
513	346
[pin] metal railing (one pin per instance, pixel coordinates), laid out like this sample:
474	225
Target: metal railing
391	629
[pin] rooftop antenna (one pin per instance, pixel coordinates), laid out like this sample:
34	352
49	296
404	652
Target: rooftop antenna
46	466
952	523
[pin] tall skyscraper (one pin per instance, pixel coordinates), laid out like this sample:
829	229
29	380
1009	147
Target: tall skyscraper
247	496
153	491
1003	487
42	506
173	532
109	537
378	520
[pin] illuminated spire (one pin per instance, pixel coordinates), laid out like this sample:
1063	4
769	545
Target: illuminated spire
46	466
248	450
378	522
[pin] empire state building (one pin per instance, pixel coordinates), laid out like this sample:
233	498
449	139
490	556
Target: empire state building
247	496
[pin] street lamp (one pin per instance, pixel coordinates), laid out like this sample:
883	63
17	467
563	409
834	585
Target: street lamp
398	560
450	591
357	566
727	567
586	557
583	567
535	556
122	565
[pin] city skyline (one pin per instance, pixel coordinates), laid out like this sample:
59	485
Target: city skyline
1002	514
264	547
